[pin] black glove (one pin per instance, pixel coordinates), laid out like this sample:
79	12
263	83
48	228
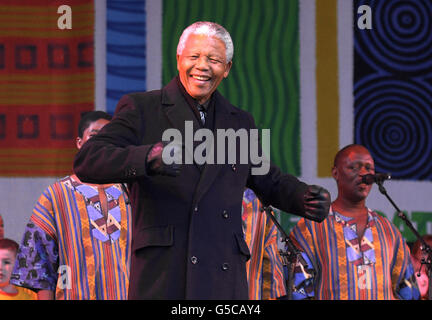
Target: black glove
155	163
313	203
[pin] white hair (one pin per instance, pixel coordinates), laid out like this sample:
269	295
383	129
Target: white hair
210	29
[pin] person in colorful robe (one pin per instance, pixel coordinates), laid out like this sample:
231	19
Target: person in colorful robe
264	269
354	254
76	245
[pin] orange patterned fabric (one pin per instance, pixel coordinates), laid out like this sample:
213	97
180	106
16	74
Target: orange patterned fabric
264	269
46	82
61	252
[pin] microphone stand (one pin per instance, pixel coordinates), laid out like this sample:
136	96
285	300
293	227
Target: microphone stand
424	246
290	257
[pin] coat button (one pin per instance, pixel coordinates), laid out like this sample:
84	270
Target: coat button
196	209
233	167
131	172
225	266
225	214
194	260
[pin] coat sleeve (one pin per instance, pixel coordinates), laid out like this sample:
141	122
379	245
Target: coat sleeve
274	187
115	154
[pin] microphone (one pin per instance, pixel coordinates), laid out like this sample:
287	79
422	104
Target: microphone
377	178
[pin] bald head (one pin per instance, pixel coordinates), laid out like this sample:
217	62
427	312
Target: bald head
343	153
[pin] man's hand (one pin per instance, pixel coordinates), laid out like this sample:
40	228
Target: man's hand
312	202
316	202
162	157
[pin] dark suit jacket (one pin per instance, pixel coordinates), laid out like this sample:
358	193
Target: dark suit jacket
187	230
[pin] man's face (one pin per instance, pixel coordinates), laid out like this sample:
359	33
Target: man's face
91	130
202	66
354	163
7	261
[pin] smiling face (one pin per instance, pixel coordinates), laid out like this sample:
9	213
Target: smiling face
202	66
352	164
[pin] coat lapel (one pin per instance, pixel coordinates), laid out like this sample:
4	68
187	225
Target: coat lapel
178	112
223	120
176	107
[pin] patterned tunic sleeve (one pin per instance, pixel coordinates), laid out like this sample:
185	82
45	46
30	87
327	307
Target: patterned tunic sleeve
304	271
273	275
37	258
402	271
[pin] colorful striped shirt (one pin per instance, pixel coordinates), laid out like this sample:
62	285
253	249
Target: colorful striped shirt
264	269
77	242
341	267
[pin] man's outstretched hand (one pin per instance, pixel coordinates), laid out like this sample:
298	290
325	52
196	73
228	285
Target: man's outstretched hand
315	203
155	162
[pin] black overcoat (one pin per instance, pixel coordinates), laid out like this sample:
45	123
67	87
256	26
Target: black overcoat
187	238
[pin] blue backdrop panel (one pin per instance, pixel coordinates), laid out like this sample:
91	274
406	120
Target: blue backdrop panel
393	87
125	49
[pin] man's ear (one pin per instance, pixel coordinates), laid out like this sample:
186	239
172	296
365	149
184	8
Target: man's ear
227	69
79	142
334	172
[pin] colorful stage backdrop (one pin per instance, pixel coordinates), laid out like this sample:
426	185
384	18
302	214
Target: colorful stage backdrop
306	69
46	82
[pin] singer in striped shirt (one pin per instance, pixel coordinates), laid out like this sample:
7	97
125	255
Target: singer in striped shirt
76	245
354	254
264	269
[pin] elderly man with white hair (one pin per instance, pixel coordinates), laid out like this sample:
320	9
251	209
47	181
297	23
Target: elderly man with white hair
188	240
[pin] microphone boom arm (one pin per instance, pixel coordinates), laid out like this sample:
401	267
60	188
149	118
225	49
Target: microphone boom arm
291	256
